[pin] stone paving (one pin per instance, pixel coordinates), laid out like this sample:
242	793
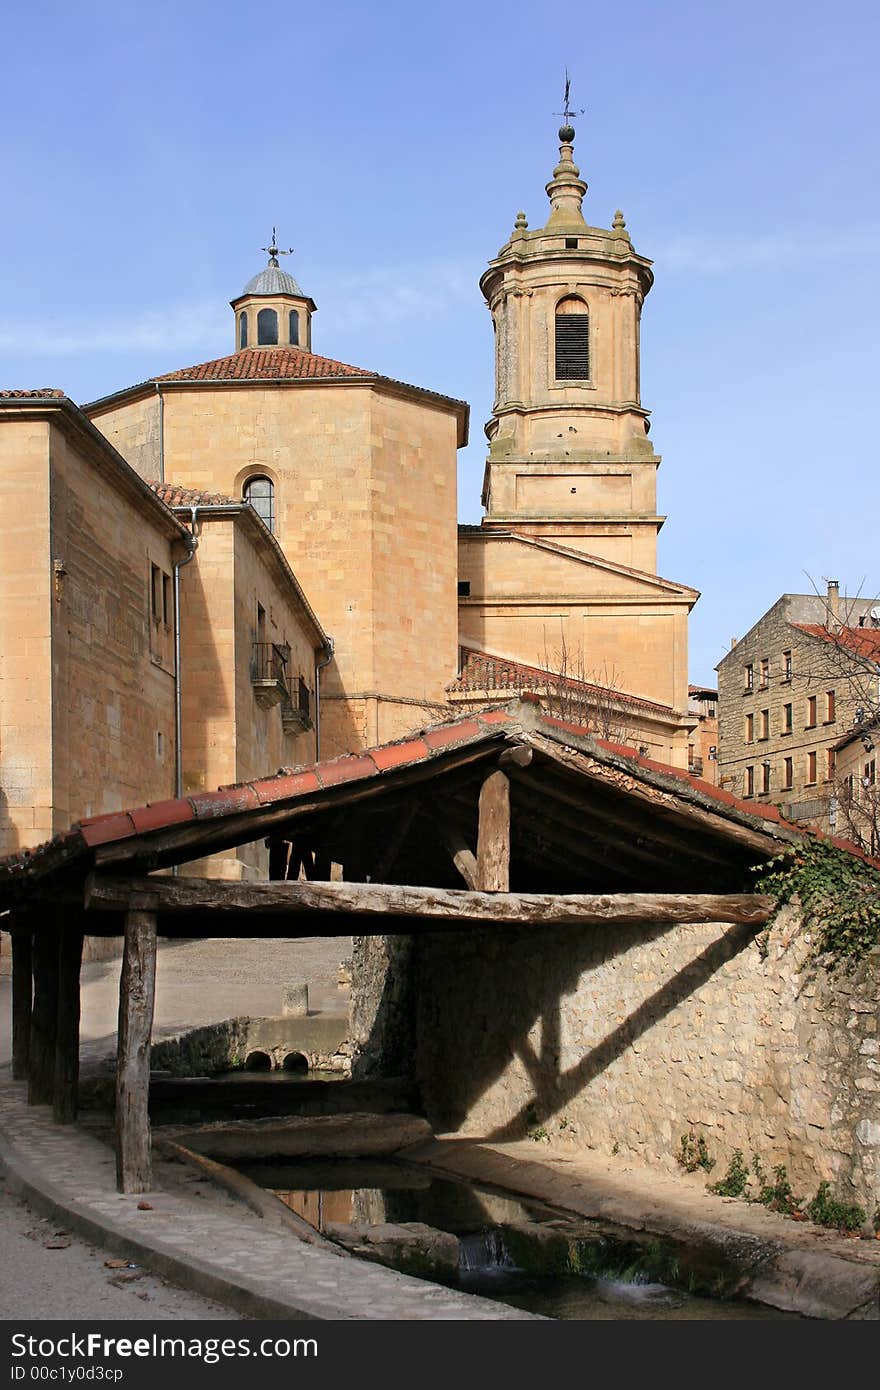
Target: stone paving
221	1254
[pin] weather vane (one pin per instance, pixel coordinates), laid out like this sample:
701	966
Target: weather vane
273	250
568	114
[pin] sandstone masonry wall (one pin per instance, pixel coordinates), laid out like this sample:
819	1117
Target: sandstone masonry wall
627	1040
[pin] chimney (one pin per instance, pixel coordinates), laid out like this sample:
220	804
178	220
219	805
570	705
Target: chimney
834	599
733	642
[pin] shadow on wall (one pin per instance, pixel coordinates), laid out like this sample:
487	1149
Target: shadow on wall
9	837
477	999
205	701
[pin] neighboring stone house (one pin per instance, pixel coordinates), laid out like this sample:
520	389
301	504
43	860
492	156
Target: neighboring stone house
855	784
787	692
703	745
92	682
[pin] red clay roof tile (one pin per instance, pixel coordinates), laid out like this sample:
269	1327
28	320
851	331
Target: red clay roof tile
160	814
414	750
33	394
100	830
861	641
442	735
267	364
350	769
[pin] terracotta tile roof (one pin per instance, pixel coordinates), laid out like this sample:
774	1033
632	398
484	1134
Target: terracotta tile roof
703	690
34	393
174	496
861	641
266	364
480	671
290	783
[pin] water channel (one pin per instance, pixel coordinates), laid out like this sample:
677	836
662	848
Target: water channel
516	1251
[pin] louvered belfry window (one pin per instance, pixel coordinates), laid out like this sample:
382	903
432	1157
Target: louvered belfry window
572	340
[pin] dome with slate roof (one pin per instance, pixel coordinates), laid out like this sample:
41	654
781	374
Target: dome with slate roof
272	310
272	280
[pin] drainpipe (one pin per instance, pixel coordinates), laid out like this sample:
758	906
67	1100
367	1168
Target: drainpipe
161	400
178	705
319	666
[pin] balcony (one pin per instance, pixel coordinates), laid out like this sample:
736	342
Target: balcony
296	711
269	673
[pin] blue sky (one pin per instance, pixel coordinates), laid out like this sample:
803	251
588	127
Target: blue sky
149	150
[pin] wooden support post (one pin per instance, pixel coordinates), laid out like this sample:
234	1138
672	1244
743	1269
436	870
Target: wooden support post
493	836
463	856
22	1001
279	851
64	1103
137	988
44	1016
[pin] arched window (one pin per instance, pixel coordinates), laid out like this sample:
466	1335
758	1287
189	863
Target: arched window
572	340
294	328
260	492
242	330
267	328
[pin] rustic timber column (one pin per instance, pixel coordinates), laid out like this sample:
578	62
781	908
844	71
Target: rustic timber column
64	1104
22	999
137	988
493	835
44	1016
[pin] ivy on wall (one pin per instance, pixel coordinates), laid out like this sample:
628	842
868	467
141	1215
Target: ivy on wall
838	892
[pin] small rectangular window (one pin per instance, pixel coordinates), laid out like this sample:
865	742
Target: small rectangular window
787	774
870	776
155	593
750	677
787	718
750	781
786	661
166	599
830	707
811	712
765	777
811	768
464	588
829	765
750	728
765	723
765	672
571	243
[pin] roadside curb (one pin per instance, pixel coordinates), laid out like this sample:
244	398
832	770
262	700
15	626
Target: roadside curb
242	1262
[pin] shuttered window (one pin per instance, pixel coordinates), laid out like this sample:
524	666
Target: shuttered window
572	341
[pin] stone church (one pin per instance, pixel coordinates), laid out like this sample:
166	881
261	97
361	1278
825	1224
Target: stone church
255	561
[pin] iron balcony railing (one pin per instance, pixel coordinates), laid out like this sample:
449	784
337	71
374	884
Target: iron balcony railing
269	672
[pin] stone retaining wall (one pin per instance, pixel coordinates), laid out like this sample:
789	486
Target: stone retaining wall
623	1040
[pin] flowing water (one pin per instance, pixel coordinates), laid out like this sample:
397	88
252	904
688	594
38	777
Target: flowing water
517	1252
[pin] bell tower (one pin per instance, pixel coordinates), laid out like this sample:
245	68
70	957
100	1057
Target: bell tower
569	456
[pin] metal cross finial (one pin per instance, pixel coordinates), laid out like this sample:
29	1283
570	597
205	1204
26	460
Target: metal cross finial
568	114
273	250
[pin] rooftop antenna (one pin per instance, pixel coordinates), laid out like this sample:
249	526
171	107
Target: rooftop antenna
569	114
273	250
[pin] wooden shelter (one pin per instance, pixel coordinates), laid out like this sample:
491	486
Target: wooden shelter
506	818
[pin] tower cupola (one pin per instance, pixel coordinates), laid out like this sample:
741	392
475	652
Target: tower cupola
272	310
568	447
